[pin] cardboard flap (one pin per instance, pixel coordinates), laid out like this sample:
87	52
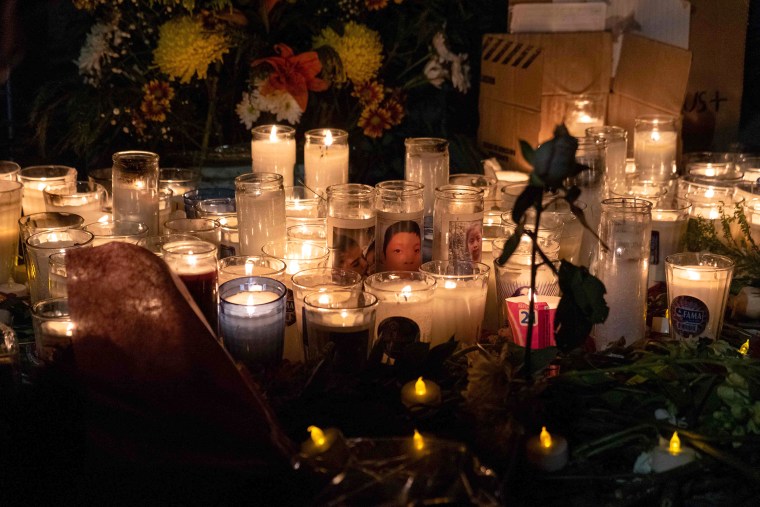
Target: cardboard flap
653	73
511	71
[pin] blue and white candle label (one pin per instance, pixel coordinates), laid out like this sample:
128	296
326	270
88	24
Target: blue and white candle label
689	316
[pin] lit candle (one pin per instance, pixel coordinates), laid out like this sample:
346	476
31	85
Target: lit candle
655	152
135	188
273	150
194	261
325	159
326	448
670	455
421	393
260	201
669	222
547	452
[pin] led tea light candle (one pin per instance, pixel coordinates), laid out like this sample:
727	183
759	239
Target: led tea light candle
252	320
626	228
405	311
343	318
242	266
325	157
351	226
421	392
670	218
326	449
273	150
698	286
180	181
458	223
460	299
260	201
547	452
654	146
617	150
582	112
195	264
321	280
40	246
135	188
36	178
671	454
124	231
53	328
85	199
10	211
398	234
427	162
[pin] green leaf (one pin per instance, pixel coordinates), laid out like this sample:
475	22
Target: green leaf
582	305
529	197
511	244
528	153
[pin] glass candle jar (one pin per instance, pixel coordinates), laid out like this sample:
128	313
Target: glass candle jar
398	234
405	309
458	223
57	277
304	206
351	227
626	229
590	153
205	229
616	142
346	319
9	170
104	178
155	244
10	211
216	208
670	218
40	222
584	111
460	300
40	246
116	230
229	244
53	328
193	197
325	159
194	262
135	188
487	183
316	233
241	266
273	150
179	180
260	201
36	178
252	320
655	140
164	207
82	198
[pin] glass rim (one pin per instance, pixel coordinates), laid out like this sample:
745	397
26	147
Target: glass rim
228	262
607	131
373	301
43	303
9	167
632	204
141	229
655	119
484	269
99	189
194	175
426	142
463	192
285	130
249	281
400	187
349	190
257	179
321	133
376	280
296	278
24	220
13	186
292	241
199	247
675	204
135	155
194	194
30	173
89	236
725	263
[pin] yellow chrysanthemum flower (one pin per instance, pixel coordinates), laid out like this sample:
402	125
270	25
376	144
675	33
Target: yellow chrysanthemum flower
186	49
360	50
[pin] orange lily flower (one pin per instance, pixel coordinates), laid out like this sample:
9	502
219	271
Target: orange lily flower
295	74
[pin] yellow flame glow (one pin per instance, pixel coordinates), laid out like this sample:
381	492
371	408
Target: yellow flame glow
545	438
273	134
419	442
419	387
675	444
317	436
328	138
744	349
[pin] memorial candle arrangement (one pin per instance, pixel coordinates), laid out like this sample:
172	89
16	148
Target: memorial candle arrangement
273	150
303	206
398	234
458	223
325	157
252	320
195	264
460	299
655	140
36	178
135	188
698	286
626	229
260	201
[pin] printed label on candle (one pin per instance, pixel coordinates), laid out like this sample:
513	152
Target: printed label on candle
395	333
465	238
689	315
290	309
351	344
398	244
654	248
352	247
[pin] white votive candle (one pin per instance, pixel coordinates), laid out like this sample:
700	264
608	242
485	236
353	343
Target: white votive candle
273	150
325	159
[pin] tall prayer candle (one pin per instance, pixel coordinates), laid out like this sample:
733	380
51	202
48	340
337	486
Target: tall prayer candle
273	150
325	158
195	263
135	188
260	201
654	146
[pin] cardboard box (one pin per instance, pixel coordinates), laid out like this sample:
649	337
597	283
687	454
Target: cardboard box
522	97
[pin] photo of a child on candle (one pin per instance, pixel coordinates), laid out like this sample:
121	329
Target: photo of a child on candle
348	249
369	256
465	241
475	241
402	247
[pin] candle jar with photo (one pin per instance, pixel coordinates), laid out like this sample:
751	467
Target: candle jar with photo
616	142
273	150
584	111
260	199
405	309
655	140
698	285
670	218
135	188
351	227
458	223
398	238
344	318
626	229
325	159
427	162
460	299
195	263
252	320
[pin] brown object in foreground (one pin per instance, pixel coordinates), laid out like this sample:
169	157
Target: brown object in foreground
161	388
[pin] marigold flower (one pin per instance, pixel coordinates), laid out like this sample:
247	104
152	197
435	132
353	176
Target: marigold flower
294	74
369	93
158	91
376	5
374	120
395	110
185	49
360	49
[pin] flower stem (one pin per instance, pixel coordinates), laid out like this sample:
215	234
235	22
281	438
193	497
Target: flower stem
532	297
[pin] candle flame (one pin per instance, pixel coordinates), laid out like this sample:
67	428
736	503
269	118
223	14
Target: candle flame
323	299
419	442
248	267
328	137
744	349
692	275
710	192
419	387
250	300
70	329
675	444
655	136
317	436
343	314
406	291
450	284
545	437
273	134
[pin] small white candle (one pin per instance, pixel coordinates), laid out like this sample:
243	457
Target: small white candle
406	298
655	151
578	122
547	452
273	150
420	392
325	159
670	455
